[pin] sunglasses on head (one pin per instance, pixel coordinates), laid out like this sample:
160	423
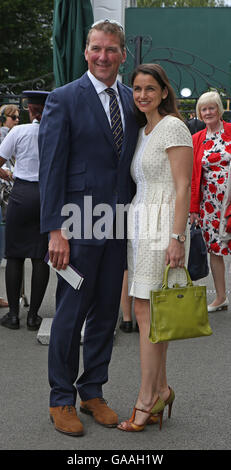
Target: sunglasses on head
108	21
13	117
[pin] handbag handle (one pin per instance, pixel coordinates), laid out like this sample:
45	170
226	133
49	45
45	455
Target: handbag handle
165	280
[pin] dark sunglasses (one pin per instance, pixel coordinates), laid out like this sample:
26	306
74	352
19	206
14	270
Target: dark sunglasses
14	117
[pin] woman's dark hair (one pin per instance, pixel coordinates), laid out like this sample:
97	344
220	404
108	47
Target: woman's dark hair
168	105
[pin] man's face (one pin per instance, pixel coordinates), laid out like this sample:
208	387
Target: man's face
104	56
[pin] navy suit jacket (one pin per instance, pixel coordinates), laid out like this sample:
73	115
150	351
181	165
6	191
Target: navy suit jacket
195	125
78	156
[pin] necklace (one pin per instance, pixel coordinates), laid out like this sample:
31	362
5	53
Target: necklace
149	127
147	130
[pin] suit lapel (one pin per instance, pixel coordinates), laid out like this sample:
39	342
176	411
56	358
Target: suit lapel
126	104
97	108
101	117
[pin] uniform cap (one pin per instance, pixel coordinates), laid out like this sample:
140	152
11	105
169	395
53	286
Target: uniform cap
35	96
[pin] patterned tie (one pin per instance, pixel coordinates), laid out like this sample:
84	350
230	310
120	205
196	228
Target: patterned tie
116	122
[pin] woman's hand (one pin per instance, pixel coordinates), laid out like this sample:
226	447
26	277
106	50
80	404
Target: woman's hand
4	175
228	216
175	254
10	175
59	250
194	217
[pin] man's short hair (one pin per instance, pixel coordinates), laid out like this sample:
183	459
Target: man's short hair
108	27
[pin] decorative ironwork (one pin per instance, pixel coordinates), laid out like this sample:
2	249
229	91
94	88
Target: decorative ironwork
45	82
184	68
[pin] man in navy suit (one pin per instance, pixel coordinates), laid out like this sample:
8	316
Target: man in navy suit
82	165
194	124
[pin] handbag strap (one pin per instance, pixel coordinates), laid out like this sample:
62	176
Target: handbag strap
165	280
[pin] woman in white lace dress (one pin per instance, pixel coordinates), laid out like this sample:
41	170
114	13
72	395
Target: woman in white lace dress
158	234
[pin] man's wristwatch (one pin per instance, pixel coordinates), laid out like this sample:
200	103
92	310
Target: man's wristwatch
179	236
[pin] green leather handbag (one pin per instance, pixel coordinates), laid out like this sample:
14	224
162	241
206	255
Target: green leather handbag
178	312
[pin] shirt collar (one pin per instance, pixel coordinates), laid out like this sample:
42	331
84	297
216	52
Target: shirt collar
100	86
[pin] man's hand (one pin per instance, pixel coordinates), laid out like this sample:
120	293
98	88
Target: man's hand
59	250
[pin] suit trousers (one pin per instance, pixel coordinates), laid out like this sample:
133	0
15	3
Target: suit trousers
98	302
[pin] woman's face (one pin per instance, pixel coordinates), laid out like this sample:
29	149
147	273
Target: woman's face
210	114
12	120
147	93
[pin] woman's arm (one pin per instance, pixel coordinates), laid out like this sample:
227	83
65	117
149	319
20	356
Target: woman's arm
3	173
181	161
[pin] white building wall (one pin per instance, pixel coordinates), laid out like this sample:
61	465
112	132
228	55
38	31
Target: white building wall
111	9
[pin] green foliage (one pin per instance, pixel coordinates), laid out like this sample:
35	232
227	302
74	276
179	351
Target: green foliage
180	3
25	39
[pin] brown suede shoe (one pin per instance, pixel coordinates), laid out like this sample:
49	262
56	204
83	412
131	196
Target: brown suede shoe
97	407
65	420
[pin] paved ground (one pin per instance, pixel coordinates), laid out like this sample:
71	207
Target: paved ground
199	370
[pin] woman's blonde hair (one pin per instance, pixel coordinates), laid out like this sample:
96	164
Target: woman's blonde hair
210	97
7	110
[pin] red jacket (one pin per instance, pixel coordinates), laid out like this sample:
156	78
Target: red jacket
198	152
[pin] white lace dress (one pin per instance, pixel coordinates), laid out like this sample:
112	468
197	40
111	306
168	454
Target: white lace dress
151	215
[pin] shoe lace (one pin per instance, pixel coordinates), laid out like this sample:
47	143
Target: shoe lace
103	401
69	408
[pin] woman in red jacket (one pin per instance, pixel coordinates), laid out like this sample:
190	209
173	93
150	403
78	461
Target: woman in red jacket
212	155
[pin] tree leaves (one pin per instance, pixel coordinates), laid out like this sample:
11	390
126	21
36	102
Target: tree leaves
25	39
180	3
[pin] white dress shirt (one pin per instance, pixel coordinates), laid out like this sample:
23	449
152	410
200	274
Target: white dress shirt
22	142
100	88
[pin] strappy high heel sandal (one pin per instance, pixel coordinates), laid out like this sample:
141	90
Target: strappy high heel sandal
130	426
154	419
169	401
